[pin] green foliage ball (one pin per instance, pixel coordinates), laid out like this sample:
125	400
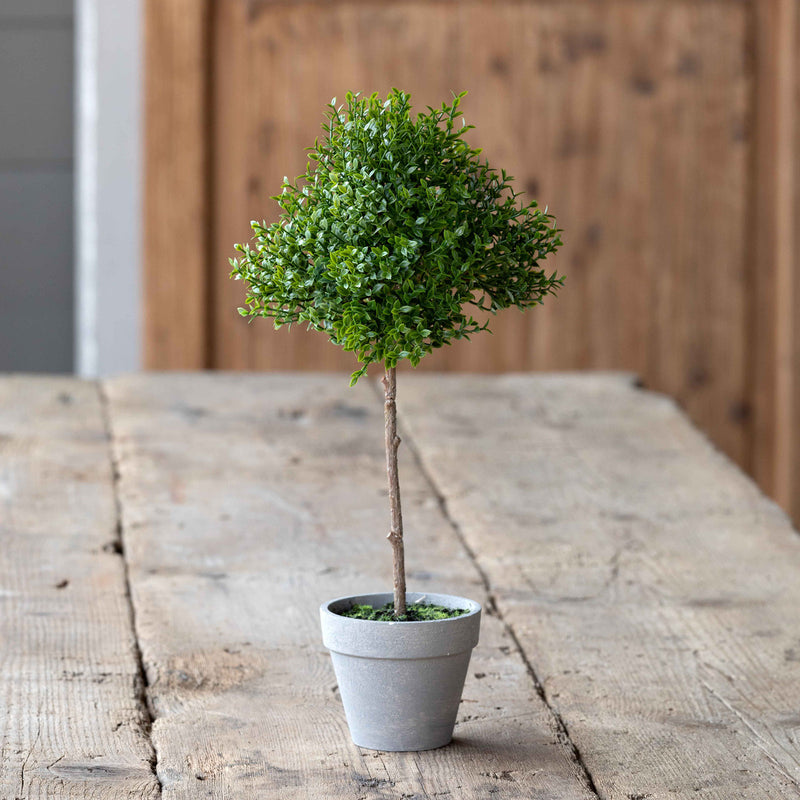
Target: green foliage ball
394	232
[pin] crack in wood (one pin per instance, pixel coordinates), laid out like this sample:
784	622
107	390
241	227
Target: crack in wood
758	739
559	726
29	753
141	684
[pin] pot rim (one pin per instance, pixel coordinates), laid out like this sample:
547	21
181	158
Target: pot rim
411	597
430	638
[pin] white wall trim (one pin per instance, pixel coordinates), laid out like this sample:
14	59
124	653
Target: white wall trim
108	177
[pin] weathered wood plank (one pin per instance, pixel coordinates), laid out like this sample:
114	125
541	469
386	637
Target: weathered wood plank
654	589
247	501
72	724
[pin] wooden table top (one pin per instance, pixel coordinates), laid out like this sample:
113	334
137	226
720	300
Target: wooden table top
166	541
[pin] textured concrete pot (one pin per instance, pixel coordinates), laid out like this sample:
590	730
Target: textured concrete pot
400	682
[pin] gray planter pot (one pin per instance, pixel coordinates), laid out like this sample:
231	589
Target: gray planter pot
400	682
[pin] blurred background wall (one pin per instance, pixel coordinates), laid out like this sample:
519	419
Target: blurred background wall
661	133
70	177
36	185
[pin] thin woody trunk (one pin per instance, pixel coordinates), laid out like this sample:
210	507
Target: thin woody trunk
396	533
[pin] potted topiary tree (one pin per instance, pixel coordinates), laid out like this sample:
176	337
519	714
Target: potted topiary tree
393	232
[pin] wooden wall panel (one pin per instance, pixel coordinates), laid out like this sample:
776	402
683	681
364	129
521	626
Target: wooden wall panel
792	502
628	119
176	192
774	346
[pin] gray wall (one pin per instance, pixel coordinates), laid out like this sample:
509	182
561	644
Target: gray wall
36	185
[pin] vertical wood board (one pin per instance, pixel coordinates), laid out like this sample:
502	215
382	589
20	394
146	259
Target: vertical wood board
177	193
793	506
775	347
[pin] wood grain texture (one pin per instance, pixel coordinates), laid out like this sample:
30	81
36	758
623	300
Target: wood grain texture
177	192
72	724
247	501
653	587
794	464
776	334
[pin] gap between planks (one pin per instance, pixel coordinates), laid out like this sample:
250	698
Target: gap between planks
141	688
559	726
